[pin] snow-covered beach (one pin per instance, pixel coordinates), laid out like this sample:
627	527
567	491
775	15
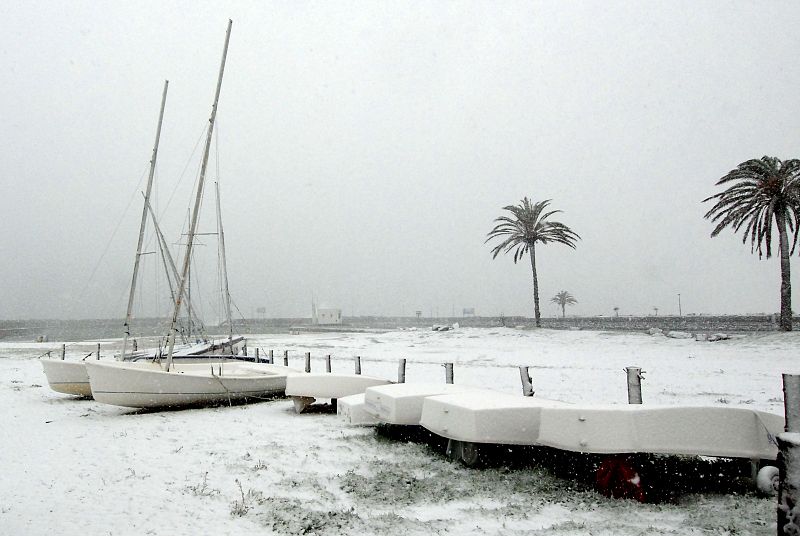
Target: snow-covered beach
77	466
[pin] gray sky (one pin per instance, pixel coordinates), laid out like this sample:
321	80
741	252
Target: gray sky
366	147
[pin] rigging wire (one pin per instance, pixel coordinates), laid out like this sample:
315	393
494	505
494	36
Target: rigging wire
113	235
183	173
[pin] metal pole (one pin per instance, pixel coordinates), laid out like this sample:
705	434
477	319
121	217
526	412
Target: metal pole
198	198
308	361
358	364
328	363
286	358
448	373
221	246
63	351
401	371
680	313
271	358
148	190
98	350
527	384
635	376
258	359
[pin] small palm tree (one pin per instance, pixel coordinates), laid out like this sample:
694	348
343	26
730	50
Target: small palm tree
616	312
760	192
526	227
656	310
563	299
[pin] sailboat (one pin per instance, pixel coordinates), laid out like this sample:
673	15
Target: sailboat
171	384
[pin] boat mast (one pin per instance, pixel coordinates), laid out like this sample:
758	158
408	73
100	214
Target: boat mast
144	221
226	295
188	255
171	270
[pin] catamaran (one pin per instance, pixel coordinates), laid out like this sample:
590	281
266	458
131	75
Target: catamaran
169	384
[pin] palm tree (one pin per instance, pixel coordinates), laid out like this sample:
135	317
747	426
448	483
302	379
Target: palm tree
616	311
563	299
762	191
526	227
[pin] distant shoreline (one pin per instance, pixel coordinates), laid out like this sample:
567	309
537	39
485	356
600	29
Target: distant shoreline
108	328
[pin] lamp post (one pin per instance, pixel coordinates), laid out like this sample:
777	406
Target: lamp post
679	305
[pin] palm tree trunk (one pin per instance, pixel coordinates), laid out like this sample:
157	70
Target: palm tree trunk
786	282
563	310
535	287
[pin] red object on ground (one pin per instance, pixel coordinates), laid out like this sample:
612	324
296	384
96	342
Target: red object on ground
617	477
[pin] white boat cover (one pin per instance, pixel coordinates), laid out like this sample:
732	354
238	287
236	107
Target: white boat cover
484	416
327	385
351	410
692	430
401	403
499	418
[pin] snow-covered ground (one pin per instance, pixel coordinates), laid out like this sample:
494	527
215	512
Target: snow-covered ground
79	467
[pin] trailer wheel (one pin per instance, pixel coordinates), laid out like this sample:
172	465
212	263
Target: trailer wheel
768	480
470	453
617	477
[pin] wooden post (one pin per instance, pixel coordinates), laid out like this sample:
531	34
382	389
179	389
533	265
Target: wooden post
258	359
308	361
634	384
789	486
244	349
286	358
98	350
527	384
358	364
401	371
791	402
448	373
328	363
63	351
271	358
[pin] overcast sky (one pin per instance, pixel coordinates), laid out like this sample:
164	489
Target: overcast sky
365	149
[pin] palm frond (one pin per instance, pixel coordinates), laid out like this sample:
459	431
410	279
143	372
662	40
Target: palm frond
757	193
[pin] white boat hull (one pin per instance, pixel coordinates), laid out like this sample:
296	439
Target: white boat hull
122	384
68	377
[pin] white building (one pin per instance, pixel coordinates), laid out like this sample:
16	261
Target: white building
325	316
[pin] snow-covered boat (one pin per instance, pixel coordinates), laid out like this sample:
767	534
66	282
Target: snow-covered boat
172	383
305	389
401	403
485	417
148	385
731	432
67	376
351	410
500	418
616	435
